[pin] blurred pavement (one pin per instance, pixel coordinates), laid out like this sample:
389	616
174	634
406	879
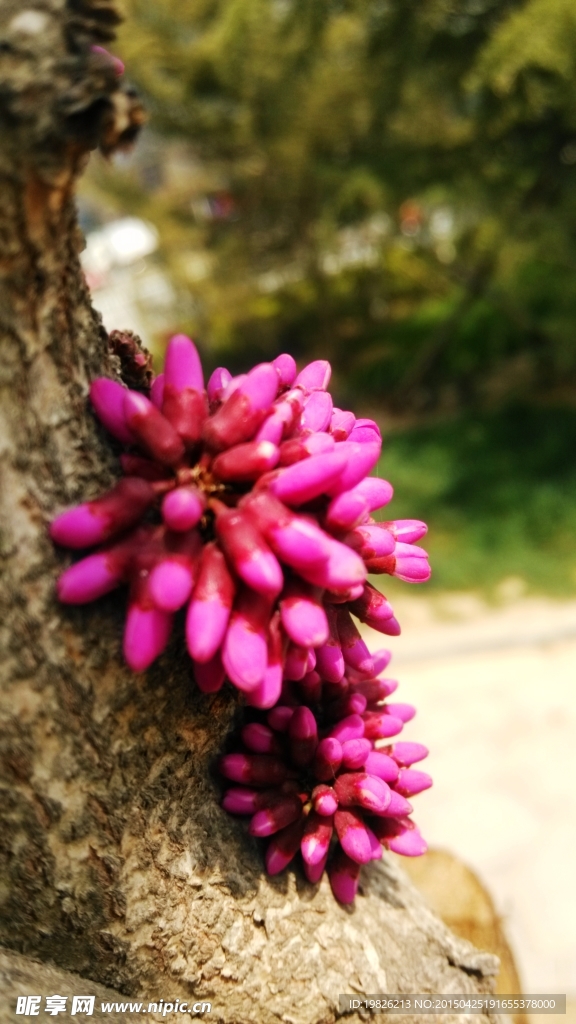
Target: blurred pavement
495	690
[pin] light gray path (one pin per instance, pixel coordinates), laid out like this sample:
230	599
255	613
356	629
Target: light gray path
496	697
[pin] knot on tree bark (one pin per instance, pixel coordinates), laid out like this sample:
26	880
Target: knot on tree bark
61	98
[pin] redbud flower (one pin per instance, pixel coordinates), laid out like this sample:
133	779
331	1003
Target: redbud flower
248	502
313	781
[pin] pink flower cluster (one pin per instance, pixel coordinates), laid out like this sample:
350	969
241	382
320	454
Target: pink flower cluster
310	777
248	503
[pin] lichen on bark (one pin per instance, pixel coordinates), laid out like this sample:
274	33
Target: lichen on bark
115	859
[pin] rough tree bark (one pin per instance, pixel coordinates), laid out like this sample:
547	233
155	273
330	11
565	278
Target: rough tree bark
117	862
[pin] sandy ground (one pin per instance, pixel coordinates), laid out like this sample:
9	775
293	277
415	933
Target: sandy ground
496	695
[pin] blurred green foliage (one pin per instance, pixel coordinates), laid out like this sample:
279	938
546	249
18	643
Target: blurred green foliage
389	184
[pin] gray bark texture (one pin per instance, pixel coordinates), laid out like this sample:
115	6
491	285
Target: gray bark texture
22	976
116	860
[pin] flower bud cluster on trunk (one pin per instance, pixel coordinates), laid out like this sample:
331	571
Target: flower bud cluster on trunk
248	502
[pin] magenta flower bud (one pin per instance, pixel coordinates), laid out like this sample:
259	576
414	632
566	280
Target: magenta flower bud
171	584
91	578
327	758
107	397
311	663
285	366
303	736
217	384
347	510
353	835
239	800
406	530
209	675
407	754
151	429
373	609
297	541
377	492
354	649
268	692
408	563
355	753
409	843
303	616
245	462
239	417
341	424
233	385
253	769
374	690
260	739
351	728
284	811
298	448
379	725
365	790
303	481
157	391
343	570
324	801
283	418
374	845
405	712
211	604
315	376
279	718
183	368
316	838
110	58
397	807
317	411
250	555
382	766
183	508
381	659
186	411
271	430
146	634
284	847
344	596
314	872
330	662
295	662
350	704
411	782
98	520
184	402
360	459
245	648
366	432
301	545
371	540
411	563
344	875
261	386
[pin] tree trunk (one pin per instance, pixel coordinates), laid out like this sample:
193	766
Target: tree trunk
117	862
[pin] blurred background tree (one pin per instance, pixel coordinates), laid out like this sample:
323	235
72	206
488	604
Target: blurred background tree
388	184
